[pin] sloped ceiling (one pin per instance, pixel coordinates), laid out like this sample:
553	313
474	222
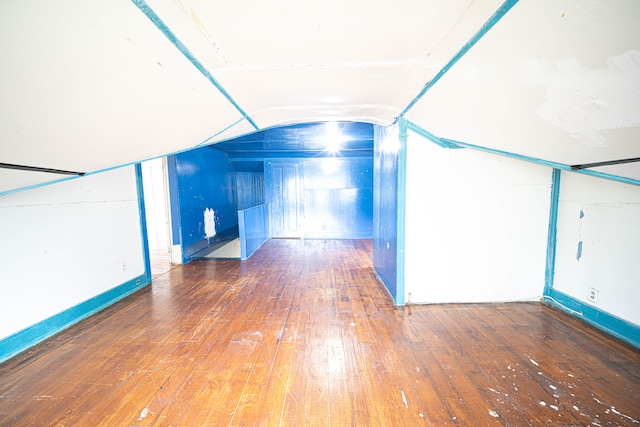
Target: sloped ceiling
90	85
553	80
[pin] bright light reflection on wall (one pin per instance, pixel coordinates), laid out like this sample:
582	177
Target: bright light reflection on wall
330	165
391	143
335	137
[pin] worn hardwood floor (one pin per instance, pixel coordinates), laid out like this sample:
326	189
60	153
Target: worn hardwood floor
304	334
160	262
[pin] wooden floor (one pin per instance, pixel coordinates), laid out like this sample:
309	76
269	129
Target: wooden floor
304	334
160	262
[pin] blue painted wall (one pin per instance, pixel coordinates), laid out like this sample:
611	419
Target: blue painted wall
253	224
174	201
249	189
338	198
321	198
329	195
205	179
386	235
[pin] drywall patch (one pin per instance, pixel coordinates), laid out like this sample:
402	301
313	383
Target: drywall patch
209	223
584	101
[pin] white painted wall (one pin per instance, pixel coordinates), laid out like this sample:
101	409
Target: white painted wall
476	226
62	244
610	231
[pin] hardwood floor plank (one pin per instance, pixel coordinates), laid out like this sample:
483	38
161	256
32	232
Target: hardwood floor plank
303	333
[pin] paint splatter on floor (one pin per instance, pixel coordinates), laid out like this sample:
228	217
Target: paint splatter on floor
143	414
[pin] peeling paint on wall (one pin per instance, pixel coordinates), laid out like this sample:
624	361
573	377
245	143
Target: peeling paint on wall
209	223
585	101
579	251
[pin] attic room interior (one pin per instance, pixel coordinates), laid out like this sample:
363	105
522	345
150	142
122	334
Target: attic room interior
377	213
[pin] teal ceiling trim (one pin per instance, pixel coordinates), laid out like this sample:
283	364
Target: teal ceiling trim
426	134
70	177
502	10
206	141
548	163
42	184
153	17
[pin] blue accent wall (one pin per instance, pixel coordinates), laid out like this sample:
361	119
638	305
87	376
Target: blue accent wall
174	200
206	180
386	213
249	189
253	224
326	198
338	198
315	193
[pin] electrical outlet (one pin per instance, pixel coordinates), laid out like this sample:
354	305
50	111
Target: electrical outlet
593	295
123	267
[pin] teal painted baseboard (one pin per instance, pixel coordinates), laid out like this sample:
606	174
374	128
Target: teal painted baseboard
20	341
609	323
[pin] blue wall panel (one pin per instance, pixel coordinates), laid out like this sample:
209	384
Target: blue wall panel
385	215
206	180
338	198
174	200
313	192
253	224
333	198
284	195
249	189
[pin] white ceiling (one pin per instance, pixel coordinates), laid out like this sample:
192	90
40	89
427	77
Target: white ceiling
91	85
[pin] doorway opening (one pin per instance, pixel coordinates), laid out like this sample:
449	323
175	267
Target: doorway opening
155	187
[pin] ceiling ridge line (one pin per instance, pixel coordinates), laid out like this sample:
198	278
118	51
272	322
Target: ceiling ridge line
498	14
164	29
452	144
